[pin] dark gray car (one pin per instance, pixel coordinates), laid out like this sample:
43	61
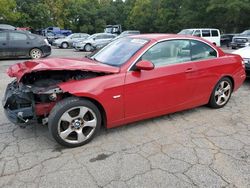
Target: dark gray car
22	44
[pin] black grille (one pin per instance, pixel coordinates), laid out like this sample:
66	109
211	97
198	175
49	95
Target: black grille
240	40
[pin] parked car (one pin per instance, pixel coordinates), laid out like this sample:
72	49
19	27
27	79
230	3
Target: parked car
212	35
245	54
69	40
51	37
226	39
113	29
6	26
241	40
133	78
22	44
130	32
94	42
56	31
127	33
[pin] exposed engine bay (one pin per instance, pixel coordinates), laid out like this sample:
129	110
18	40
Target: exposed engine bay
37	92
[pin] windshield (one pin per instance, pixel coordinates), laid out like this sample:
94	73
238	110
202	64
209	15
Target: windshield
247	32
92	36
69	36
186	32
119	51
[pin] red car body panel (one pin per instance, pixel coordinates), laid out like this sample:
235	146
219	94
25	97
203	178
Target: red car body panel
20	69
127	96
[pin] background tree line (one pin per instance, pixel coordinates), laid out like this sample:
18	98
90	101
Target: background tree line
91	16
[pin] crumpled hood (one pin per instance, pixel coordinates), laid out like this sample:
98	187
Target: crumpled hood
20	69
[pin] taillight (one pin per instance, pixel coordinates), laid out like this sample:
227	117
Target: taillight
243	64
46	41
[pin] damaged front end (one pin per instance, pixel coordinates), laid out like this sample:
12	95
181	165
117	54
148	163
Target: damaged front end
32	98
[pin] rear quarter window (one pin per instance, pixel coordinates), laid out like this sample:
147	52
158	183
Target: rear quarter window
32	37
201	51
215	33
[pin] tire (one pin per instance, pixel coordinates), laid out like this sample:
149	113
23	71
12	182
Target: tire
64	45
88	48
233	48
69	127
221	93
35	53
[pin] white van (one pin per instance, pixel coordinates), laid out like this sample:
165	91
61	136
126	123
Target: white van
212	35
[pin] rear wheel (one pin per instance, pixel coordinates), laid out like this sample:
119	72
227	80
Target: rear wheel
221	93
36	53
74	122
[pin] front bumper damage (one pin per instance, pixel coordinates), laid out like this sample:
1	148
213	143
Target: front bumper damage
18	104
22	106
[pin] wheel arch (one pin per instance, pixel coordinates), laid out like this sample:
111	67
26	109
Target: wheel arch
97	103
231	79
100	107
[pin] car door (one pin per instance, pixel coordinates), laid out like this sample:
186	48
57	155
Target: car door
206	63
74	38
168	87
19	44
100	41
4	44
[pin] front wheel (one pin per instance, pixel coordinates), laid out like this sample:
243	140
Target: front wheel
221	93
74	122
65	45
88	48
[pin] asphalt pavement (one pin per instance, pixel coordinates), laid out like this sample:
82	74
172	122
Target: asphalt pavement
201	147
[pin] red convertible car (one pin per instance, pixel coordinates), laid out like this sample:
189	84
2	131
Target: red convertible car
131	79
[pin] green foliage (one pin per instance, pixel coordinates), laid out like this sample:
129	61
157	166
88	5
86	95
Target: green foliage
158	16
8	12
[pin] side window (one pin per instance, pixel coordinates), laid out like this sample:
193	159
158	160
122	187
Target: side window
197	33
83	36
168	52
98	37
215	33
75	36
206	33
3	36
17	36
109	36
200	51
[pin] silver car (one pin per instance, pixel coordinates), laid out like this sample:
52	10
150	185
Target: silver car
69	40
95	41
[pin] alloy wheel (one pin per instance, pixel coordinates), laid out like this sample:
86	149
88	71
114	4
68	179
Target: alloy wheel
35	53
77	124
222	93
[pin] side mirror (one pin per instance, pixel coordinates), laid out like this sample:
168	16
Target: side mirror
145	65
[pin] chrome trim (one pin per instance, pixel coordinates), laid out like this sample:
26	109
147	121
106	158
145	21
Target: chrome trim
163	40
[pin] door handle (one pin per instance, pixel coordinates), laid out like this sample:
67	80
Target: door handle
3	44
188	70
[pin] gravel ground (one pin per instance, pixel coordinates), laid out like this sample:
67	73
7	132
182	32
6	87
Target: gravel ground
201	147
